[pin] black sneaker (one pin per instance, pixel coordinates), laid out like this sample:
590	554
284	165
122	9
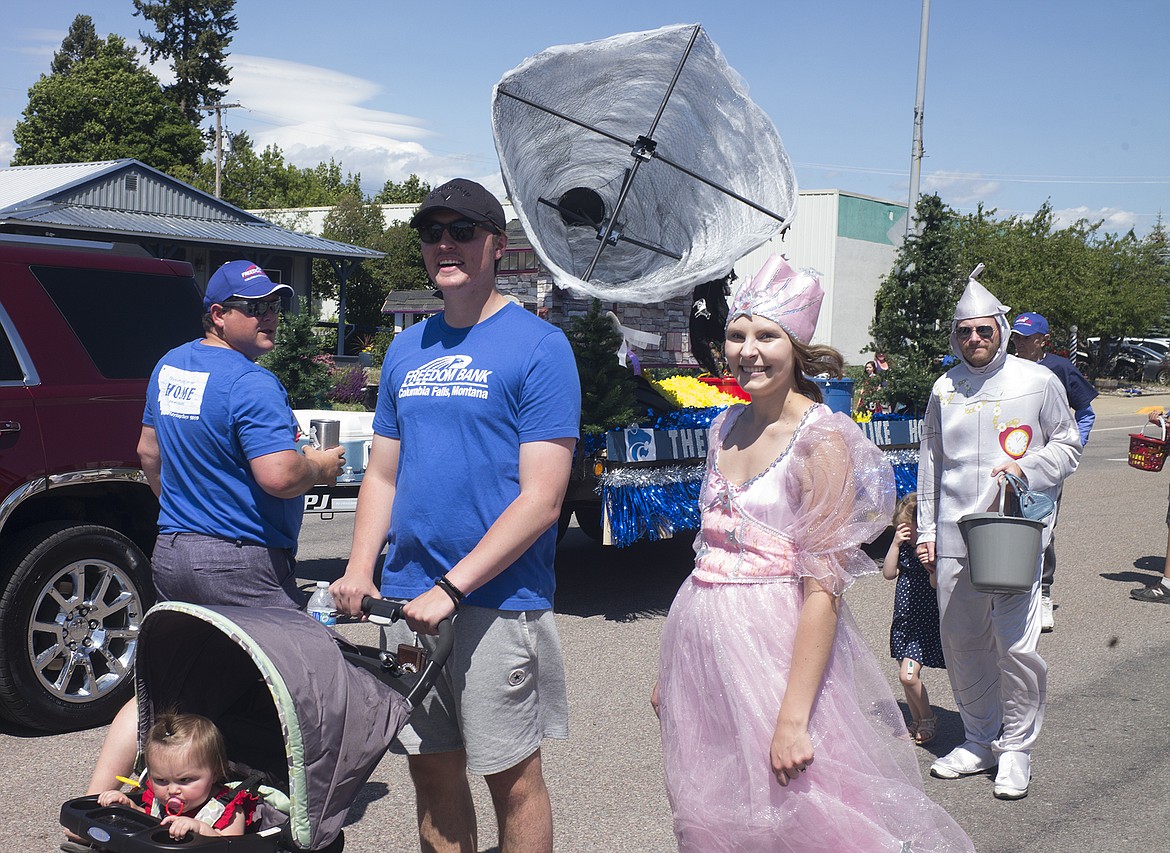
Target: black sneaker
1155	593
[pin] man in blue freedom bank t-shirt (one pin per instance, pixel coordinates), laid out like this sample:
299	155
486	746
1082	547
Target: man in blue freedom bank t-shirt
478	414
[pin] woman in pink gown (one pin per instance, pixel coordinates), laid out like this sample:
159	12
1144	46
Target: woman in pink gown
779	730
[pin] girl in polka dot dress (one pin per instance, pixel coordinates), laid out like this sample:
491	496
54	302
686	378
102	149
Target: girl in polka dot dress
914	639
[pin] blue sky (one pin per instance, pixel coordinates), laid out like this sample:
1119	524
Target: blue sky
1059	100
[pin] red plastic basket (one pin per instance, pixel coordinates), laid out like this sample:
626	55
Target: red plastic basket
1145	453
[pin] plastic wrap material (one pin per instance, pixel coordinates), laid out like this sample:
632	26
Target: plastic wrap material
709	126
805	515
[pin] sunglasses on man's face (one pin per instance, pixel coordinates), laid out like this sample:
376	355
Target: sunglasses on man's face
253	307
985	332
461	231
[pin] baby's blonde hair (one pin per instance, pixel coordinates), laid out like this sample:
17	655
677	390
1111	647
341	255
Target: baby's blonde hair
194	735
906	512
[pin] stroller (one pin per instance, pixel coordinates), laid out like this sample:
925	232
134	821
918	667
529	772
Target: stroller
303	711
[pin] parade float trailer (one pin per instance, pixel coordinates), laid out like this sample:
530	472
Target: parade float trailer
638	483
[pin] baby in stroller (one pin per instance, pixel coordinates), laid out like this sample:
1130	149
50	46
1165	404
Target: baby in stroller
305	715
186	768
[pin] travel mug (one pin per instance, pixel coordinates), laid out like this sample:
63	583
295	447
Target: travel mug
325	434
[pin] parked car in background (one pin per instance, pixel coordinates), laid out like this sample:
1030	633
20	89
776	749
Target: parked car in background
1158	345
82	325
1140	363
1144	360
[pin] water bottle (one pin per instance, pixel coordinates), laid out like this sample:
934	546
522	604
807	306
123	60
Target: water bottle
321	604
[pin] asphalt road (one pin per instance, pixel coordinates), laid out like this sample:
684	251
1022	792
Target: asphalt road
1101	777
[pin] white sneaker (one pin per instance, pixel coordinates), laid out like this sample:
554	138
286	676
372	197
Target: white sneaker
963	760
1015	772
1047	623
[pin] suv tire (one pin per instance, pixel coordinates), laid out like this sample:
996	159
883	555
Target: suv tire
72	598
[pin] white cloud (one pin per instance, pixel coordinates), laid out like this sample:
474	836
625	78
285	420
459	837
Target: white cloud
316	114
959	189
1115	221
37	41
7	143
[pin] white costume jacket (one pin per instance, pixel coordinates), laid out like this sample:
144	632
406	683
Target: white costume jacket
978	418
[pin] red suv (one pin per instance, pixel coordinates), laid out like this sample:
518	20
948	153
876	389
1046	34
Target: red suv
82	325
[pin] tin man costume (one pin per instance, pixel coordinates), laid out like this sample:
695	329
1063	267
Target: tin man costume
979	418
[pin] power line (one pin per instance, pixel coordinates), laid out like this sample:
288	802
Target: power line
983	176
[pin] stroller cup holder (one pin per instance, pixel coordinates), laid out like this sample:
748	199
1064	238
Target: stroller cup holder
126	830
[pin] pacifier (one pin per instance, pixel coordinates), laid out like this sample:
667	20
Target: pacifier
175	806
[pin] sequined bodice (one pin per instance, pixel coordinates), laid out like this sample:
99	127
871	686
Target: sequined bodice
744	535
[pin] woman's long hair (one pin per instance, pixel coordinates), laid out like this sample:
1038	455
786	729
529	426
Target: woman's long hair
815	360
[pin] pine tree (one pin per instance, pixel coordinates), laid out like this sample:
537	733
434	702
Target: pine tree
294	361
81	43
194	35
607	388
915	304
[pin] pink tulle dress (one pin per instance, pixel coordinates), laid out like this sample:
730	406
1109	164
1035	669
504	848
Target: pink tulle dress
727	648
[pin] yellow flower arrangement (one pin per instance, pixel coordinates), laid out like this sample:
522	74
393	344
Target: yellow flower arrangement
689	393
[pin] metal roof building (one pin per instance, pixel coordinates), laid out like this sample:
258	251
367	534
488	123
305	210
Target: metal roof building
128	201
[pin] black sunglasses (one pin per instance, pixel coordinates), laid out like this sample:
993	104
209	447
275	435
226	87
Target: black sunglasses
253	307
985	332
461	230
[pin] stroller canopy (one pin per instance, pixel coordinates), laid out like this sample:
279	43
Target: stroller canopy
288	703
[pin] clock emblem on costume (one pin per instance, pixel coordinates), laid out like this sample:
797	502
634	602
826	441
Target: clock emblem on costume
1015	440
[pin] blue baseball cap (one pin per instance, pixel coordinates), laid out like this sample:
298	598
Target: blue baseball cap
1029	323
241	280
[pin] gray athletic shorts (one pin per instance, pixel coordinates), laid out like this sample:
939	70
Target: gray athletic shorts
501	693
208	570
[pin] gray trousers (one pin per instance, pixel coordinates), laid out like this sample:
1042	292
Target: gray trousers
1048	567
208	570
996	674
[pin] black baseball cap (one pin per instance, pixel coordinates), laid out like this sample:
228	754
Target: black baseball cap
466	198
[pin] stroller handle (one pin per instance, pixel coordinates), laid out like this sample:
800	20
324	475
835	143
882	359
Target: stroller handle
392	610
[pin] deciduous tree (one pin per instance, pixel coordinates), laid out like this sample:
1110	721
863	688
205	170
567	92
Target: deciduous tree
411	191
104	107
355	221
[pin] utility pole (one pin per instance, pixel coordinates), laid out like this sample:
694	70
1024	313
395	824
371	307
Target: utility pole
919	102
217	109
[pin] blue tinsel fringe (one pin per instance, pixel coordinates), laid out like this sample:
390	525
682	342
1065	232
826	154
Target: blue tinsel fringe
655	503
651	503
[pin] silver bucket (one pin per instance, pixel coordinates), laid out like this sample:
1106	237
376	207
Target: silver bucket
1003	552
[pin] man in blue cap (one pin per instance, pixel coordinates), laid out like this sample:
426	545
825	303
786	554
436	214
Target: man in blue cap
1030	335
219	449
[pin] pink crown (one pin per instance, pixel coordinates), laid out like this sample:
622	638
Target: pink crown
781	294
